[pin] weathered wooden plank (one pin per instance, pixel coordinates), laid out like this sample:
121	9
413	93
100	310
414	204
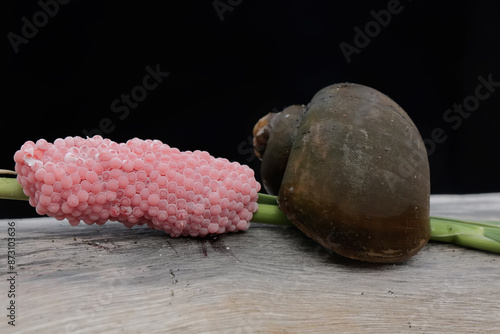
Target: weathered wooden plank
484	206
270	279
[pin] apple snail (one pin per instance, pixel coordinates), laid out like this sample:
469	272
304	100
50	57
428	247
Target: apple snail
356	178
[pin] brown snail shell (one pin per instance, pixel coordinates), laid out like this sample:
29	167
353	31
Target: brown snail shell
273	135
357	177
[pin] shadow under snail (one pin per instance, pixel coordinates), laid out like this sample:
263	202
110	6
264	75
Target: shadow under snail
350	170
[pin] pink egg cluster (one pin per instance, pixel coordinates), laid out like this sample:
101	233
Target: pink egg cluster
141	181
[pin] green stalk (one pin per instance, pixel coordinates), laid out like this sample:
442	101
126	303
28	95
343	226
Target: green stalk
479	235
270	214
267	199
11	189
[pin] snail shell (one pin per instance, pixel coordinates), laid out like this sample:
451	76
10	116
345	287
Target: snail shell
357	176
273	136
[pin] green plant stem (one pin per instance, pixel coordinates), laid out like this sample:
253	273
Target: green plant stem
271	214
479	235
11	189
267	199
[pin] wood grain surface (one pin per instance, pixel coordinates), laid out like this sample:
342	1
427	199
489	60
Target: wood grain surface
269	279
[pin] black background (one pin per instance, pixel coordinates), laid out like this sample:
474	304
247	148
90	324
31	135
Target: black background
229	69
